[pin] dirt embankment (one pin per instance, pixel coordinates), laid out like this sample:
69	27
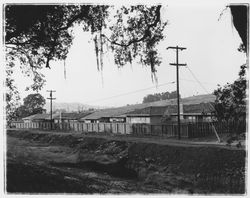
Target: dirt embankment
167	168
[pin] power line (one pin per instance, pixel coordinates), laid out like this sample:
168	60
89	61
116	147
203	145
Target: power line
195	81
200	85
198	80
208	102
128	93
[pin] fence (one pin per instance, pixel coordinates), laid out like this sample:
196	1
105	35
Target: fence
188	130
121	128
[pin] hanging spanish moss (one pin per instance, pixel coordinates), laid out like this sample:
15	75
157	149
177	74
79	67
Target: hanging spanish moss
96	51
98	40
130	57
101	49
102	78
154	78
135	41
64	63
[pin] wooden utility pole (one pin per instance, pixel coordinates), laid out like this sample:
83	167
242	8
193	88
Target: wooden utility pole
177	64
51	98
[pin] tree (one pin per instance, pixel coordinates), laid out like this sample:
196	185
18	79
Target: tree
21	112
240	22
230	103
38	34
32	104
160	96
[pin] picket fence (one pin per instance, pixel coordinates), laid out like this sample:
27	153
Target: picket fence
187	130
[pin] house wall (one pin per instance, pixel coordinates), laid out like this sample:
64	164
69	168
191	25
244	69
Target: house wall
192	118
133	120
116	119
64	120
91	121
208	119
27	121
155	119
189	118
103	120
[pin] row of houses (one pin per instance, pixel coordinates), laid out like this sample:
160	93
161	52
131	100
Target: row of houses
192	109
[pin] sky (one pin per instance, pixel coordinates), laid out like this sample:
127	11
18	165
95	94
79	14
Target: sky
211	55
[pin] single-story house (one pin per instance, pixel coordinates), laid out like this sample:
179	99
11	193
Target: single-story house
105	115
151	112
163	114
69	117
194	112
37	118
111	114
147	115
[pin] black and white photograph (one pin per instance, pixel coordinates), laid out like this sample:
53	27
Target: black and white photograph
125	98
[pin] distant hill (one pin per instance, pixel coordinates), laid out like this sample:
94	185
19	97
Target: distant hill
70	107
206	98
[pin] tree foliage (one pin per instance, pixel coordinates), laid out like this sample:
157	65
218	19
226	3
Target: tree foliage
38	34
230	103
160	96
32	104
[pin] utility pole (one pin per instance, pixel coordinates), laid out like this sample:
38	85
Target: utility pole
177	64
51	98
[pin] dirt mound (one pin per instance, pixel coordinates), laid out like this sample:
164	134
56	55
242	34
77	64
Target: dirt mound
199	169
214	169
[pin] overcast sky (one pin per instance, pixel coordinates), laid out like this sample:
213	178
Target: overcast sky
211	55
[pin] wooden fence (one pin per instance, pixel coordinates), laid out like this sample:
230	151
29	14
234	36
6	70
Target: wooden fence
121	128
188	130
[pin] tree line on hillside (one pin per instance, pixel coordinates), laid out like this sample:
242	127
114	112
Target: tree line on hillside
160	96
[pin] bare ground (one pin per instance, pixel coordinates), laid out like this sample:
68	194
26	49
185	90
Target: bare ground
44	162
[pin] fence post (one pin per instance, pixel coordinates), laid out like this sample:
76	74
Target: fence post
104	128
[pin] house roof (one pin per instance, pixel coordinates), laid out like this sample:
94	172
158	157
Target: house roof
152	111
172	109
198	108
106	113
71	116
121	111
38	116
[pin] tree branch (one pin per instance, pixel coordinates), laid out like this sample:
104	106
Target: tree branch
137	40
82	14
